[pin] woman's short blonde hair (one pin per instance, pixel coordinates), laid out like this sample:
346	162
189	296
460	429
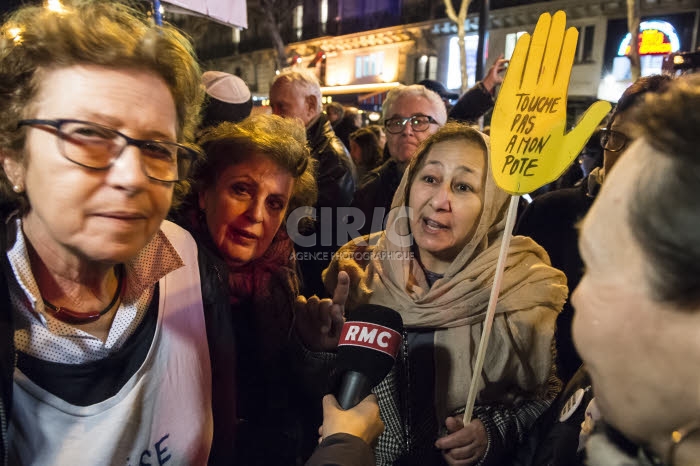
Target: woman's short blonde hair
281	140
88	32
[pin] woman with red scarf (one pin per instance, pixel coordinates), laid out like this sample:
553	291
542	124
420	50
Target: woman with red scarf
255	173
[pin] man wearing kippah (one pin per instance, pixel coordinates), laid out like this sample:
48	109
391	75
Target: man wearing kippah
228	99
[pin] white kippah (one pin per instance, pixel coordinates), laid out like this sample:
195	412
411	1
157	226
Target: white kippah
225	87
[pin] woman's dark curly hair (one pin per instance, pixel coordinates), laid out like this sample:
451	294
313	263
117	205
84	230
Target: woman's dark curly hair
281	140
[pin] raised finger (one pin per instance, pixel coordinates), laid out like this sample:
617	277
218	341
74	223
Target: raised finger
512	81
342	289
554	48
500	62
538	43
566	61
502	65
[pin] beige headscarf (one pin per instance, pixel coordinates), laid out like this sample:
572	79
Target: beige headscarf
518	362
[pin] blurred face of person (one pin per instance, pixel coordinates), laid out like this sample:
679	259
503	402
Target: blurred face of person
446	200
333	114
641	354
382	139
104	216
403	146
291	101
355	152
358	120
246	207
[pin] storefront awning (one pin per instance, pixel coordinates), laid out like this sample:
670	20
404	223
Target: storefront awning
359	88
229	12
373	99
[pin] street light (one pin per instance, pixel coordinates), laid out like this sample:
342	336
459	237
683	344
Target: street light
15	34
55	6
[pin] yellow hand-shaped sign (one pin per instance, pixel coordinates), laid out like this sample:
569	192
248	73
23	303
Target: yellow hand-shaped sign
529	147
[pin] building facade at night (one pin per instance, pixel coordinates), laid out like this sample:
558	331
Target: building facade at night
360	49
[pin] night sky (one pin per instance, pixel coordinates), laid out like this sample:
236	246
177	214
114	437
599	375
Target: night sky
9	5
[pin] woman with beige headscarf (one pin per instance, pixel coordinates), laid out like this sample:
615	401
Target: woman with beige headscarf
435	265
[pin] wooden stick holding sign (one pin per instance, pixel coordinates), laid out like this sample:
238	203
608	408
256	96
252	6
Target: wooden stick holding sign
529	143
491	310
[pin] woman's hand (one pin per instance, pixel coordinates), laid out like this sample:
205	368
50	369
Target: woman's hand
318	322
464	445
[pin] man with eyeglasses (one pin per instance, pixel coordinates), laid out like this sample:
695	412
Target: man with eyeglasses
552	218
411	114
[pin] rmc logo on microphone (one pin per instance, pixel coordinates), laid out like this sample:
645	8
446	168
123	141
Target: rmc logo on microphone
372	336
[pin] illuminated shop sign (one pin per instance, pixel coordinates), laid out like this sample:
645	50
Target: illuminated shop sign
655	38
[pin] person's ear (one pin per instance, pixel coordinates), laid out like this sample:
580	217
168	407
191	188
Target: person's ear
311	106
14	170
203	199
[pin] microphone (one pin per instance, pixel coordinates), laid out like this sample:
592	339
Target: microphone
369	342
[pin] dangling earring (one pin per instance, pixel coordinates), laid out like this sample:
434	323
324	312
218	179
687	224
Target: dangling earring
677	436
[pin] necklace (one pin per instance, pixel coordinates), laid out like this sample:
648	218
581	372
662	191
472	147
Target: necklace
72	317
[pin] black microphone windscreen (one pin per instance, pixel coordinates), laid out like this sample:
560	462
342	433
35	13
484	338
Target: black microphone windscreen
369	341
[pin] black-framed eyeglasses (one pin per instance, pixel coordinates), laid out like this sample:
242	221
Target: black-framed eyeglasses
418	123
97	147
613	141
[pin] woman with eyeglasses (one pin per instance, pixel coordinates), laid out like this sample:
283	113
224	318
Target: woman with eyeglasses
435	265
411	114
114	347
104	332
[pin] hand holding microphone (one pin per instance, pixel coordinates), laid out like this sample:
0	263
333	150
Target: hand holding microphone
362	421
